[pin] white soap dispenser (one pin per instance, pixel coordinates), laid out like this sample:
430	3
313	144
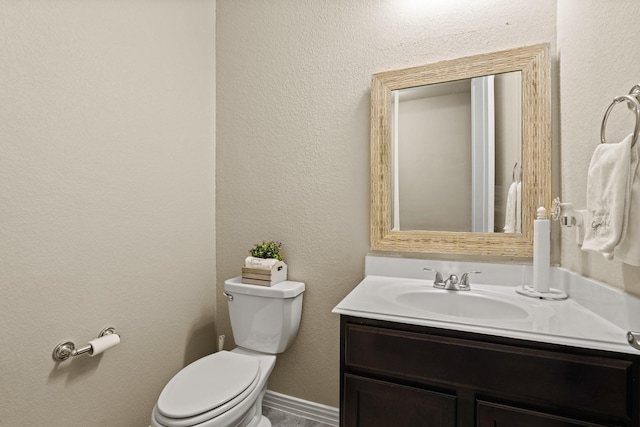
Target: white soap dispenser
541	251
541	287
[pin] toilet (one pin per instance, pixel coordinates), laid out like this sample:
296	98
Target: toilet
225	389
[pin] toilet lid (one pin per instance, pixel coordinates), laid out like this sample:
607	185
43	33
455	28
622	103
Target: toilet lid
207	384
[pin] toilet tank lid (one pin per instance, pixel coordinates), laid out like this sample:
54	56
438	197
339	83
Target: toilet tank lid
285	289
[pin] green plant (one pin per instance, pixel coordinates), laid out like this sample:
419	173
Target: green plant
267	250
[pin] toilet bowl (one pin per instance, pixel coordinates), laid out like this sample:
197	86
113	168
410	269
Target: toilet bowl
225	389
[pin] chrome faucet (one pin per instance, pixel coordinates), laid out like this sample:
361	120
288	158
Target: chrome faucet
438	282
464	280
452	283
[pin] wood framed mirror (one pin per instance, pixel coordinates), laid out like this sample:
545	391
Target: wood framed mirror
531	65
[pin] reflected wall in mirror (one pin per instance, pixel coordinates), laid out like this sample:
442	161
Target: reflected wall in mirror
440	181
469	133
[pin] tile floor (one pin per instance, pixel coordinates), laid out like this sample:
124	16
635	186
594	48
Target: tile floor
284	419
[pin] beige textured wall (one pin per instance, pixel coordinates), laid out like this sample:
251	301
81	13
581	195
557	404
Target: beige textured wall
293	80
599	53
106	203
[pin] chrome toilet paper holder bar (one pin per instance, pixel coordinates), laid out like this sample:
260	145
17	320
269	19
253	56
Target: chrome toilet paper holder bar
67	349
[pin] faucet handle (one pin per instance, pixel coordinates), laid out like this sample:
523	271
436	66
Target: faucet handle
464	280
438	281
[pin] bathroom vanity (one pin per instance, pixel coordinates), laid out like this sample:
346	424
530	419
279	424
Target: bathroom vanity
551	364
407	375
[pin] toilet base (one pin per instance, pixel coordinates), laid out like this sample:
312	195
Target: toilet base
261	421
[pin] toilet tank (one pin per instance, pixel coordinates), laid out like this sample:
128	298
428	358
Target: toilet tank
263	318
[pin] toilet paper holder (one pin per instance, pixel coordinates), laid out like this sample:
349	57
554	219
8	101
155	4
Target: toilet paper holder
67	349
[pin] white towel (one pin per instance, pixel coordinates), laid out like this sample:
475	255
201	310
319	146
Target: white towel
628	251
510	209
608	196
261	263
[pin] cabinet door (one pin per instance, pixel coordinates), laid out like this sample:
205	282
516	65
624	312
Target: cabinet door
495	415
372	403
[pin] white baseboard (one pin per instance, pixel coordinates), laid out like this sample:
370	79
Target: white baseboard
302	408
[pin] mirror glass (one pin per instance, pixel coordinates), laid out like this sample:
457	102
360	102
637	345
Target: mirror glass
459	138
461	154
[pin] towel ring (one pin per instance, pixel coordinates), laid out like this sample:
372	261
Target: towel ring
632	104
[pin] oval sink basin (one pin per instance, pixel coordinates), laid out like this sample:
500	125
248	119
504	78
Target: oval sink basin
461	304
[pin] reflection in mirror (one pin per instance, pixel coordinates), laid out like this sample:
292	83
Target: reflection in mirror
462	138
443	182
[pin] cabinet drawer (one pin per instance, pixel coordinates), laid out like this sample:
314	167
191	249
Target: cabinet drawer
595	385
372	403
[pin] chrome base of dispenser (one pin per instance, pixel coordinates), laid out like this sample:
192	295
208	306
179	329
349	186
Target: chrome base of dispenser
553	294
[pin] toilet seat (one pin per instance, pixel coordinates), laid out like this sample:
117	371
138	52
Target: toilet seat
207	388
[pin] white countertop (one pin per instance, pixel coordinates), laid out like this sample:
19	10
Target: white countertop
595	315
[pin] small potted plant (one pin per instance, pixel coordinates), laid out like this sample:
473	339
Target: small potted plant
267	250
264	266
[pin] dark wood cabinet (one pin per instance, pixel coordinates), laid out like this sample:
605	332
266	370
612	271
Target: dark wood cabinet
380	403
495	415
403	375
